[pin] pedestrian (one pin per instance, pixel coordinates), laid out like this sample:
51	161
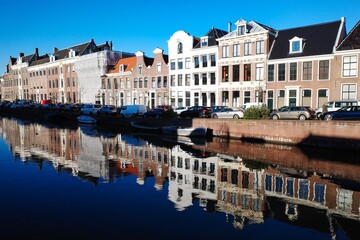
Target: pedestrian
324	108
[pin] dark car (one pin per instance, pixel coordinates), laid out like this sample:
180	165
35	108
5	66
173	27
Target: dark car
293	112
165	107
197	112
344	113
107	110
154	113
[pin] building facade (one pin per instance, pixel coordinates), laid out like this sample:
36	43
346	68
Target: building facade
137	80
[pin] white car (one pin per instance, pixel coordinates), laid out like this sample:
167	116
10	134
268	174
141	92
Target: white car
228	113
178	110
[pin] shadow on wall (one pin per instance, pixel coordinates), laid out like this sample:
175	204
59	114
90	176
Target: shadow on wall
331	142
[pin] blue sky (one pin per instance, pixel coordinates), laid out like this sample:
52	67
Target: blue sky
145	25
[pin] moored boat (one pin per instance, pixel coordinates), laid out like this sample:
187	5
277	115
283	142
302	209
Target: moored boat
86	119
186	132
144	127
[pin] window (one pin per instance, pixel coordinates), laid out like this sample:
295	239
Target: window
187	63
180	48
158	82
348	92
141	83
247	48
271	73
204	61
225	51
180	80
225	73
204	79
204	42
236	50
172	80
259	71
180	63
196	80
140	69
196	62
296	45
259	47
241	30
165	82
236	73
212	78
350	66
246	96
187	80
213	60
172	65
307	70
281	72
293	71
158	66
247	72
323	69
135	83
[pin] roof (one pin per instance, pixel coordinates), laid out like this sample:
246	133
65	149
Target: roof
41	60
212	35
318	39
129	64
352	40
79	49
148	61
251	27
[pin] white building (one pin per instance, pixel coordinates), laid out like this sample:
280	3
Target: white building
193	68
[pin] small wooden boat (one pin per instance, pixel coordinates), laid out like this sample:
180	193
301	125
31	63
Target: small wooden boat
186	132
86	119
147	128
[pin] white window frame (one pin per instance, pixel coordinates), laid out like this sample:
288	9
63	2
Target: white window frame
225	51
259	71
247	48
294	40
312	71
260	45
353	66
348	92
236	50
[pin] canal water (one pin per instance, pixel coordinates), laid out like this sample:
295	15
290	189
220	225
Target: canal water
80	182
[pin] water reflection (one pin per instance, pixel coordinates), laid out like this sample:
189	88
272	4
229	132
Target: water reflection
247	183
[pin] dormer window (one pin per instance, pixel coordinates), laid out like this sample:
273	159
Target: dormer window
241	30
204	41
72	53
296	45
122	68
52	58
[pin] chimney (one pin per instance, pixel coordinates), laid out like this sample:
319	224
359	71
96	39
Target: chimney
21	55
55	49
229	26
111	45
36	53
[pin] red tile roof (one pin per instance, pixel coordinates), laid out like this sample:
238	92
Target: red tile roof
129	64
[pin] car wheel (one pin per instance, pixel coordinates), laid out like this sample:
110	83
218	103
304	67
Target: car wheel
275	117
236	116
302	117
328	117
215	116
318	115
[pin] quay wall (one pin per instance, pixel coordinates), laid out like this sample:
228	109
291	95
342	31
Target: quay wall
333	134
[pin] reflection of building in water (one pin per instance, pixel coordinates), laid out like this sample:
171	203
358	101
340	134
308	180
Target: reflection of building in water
239	192
191	174
36	142
248	189
140	158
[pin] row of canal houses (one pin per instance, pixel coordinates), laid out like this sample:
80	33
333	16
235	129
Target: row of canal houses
250	62
244	182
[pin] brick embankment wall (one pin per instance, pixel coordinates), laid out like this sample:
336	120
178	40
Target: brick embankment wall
334	134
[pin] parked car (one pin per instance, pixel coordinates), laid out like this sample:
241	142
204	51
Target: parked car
132	110
217	108
197	111
178	110
293	112
228	113
107	110
71	108
344	113
335	105
90	109
165	107
154	113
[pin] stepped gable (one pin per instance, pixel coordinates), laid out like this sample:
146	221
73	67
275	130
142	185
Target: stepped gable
352	40
318	39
